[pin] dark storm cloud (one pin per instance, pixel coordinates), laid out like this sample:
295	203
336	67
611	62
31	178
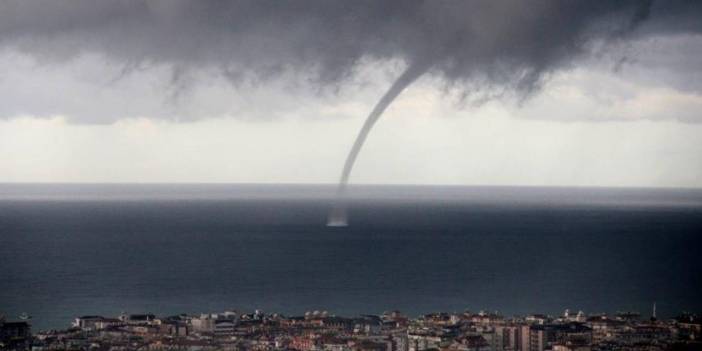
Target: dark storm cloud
508	45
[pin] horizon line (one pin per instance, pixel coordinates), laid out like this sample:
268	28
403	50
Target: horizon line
333	184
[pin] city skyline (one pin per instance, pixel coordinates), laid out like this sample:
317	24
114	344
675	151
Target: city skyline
389	331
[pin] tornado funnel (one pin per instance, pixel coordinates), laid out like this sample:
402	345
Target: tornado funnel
338	216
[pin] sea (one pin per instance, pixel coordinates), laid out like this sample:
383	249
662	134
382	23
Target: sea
68	250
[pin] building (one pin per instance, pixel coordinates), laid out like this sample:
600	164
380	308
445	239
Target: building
15	335
545	336
87	322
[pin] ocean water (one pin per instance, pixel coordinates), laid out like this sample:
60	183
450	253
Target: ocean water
70	250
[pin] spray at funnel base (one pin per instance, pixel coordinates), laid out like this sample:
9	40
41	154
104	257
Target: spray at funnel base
338	216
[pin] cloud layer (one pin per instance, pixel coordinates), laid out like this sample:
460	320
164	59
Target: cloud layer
477	47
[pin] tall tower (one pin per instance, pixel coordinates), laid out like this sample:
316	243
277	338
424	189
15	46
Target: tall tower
653	315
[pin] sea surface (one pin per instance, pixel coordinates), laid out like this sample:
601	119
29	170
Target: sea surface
71	250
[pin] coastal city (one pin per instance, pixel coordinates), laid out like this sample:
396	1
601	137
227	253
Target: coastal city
390	331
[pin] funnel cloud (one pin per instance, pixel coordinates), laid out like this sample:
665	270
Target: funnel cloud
338	216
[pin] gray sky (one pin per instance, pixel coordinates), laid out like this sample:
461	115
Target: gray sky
516	93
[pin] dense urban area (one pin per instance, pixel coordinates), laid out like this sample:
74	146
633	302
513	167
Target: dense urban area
391	331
